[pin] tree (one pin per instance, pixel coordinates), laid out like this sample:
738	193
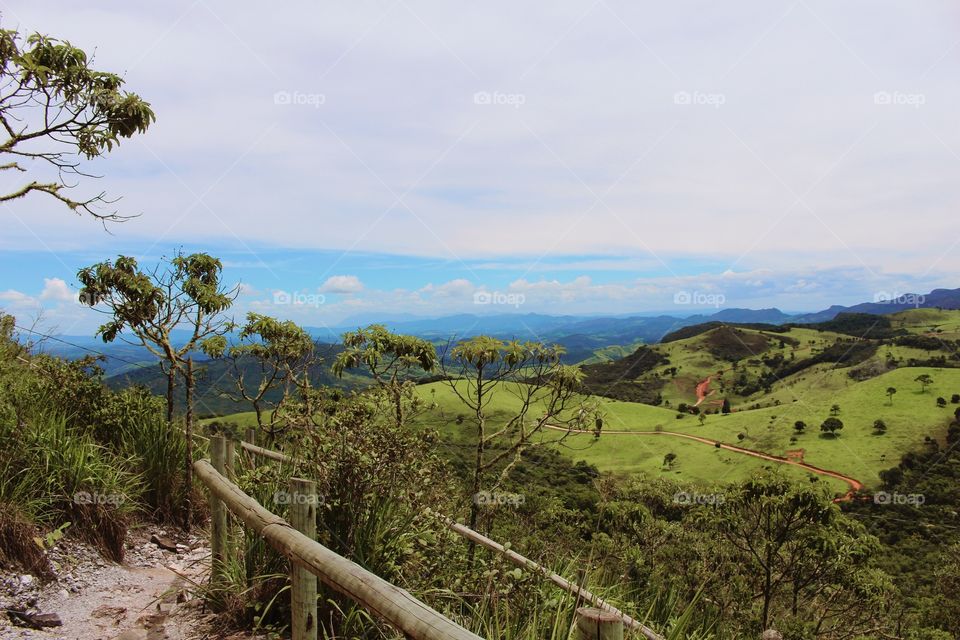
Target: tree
796	553
702	418
669	459
276	355
543	394
890	392
835	410
799	426
955	398
390	358
879	427
941	402
57	110
925	381
726	406
185	293
831	427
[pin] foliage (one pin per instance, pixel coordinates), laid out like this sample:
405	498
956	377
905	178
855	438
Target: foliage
57	109
283	354
390	358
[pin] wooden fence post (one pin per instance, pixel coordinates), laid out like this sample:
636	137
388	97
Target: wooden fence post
218	515
596	624
231	457
303	588
251	437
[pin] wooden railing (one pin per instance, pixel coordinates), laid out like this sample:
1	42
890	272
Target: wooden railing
311	560
600	622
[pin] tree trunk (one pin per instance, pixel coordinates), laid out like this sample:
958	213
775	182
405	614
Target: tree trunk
171	384
188	470
398	406
478	468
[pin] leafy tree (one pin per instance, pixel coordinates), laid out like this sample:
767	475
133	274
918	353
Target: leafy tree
879	427
799	426
184	293
281	354
798	556
925	381
941	402
955	398
57	110
702	418
890	392
390	358
669	459
726	406
831	426
835	410
543	394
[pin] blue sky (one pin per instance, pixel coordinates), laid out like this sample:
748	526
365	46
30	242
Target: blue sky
399	157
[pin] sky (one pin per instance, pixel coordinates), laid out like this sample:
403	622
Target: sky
386	158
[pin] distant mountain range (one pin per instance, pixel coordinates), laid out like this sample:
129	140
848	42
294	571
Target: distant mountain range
582	336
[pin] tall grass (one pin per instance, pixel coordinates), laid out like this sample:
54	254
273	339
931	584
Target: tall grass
159	451
516	605
55	475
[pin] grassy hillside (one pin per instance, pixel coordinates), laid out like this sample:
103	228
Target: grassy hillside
857	452
824	368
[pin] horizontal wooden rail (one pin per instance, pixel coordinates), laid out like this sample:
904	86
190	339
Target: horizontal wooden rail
555	578
513	556
393	604
266	453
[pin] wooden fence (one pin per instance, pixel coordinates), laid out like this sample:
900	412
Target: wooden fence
311	560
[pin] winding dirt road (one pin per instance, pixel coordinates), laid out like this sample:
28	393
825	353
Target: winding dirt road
855	485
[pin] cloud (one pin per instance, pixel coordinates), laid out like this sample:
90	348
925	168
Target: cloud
244	289
56	290
614	168
342	284
457	288
16	298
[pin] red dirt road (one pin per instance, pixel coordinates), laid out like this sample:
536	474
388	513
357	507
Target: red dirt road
703	390
855	485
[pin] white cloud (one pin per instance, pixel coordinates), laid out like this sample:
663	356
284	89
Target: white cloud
244	289
457	288
16	298
399	118
56	290
342	284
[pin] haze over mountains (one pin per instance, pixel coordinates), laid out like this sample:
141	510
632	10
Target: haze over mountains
582	336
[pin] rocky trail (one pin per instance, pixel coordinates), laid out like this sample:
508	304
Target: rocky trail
150	596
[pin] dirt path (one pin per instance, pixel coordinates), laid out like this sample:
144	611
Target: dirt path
854	484
148	597
703	387
703	390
